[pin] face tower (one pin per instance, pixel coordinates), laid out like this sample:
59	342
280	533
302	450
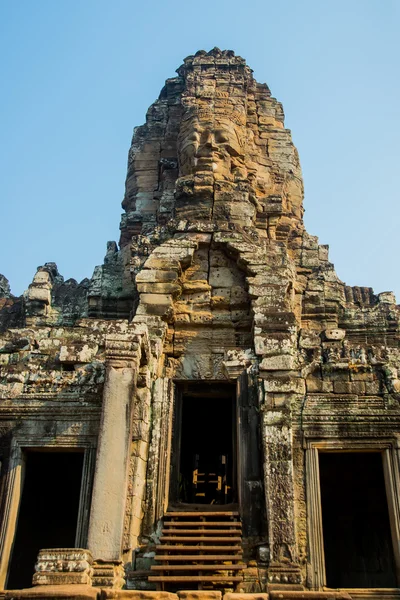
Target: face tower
214	149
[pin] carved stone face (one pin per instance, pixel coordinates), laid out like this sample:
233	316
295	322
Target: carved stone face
213	146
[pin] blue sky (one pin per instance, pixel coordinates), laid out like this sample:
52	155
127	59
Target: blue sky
78	75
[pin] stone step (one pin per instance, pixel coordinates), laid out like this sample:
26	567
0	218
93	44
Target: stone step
198	544
197	567
194	557
210	532
199	539
202	548
235	524
199	578
231	513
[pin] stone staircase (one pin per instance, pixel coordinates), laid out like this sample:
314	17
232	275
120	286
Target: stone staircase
199	550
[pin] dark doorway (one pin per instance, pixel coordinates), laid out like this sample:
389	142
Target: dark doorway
204	444
355	519
48	512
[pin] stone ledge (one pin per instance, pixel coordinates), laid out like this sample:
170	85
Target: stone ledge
84	592
306	595
244	596
199	595
136	595
72	592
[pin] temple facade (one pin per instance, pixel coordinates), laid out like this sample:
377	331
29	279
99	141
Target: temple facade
214	410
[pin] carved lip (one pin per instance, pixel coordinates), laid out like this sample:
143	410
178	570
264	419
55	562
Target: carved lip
211	162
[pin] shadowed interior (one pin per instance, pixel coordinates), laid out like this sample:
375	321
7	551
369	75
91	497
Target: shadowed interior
357	541
207	444
48	511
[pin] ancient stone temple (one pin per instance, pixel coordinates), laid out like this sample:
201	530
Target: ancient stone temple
214	412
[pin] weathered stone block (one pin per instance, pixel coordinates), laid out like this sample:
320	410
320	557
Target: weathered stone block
323	253
136	595
160	263
244	596
335	334
315	385
199	595
277	363
39	294
157	276
222	277
342	387
159	288
49	592
310	258
273	344
63	566
284	385
191	287
372	387
78	352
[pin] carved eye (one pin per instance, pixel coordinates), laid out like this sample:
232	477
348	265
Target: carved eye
193	136
221	136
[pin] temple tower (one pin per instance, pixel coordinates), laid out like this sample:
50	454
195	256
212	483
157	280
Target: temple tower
225	408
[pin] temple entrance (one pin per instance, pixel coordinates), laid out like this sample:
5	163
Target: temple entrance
48	511
204	445
355	519
216	460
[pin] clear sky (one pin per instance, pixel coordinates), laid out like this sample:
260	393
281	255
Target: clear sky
78	75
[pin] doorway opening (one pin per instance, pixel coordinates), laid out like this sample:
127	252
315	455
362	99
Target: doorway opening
205	444
48	513
355	519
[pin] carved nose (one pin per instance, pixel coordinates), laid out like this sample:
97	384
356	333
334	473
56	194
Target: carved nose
207	144
209	139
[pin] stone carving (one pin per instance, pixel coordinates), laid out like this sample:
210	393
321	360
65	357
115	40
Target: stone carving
215	282
63	566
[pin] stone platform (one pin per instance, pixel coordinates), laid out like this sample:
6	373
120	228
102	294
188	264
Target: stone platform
86	592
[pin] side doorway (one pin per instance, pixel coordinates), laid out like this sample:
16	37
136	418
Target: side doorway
353	514
358	544
50	513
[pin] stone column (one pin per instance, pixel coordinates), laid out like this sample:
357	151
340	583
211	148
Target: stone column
278	465
275	341
111	472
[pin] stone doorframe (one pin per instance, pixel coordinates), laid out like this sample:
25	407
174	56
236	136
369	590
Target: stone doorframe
14	487
316	573
249	473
